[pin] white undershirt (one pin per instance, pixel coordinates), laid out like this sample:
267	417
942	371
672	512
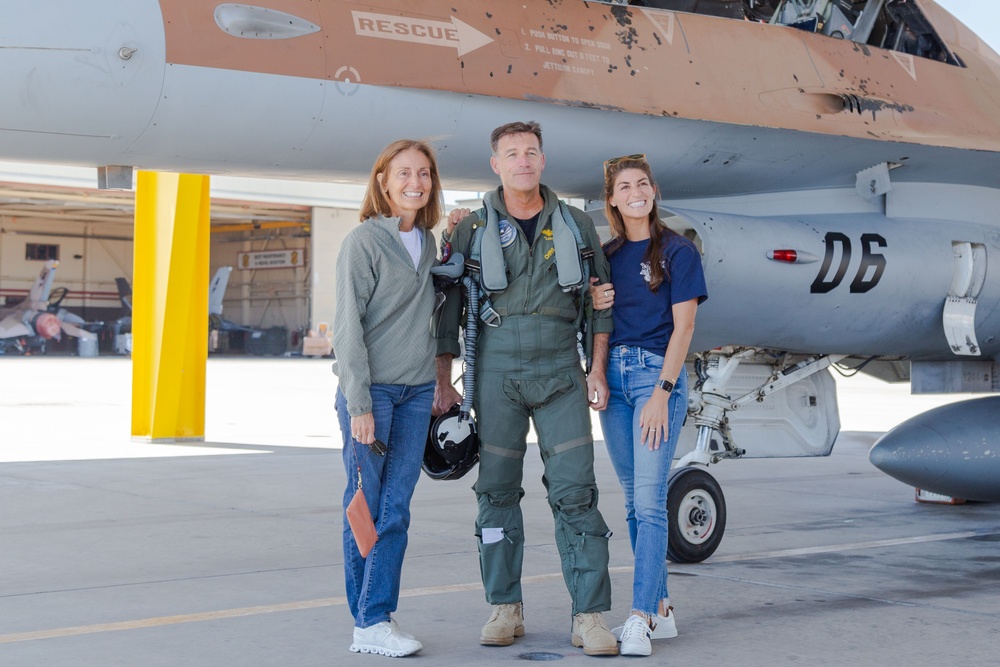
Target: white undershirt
413	242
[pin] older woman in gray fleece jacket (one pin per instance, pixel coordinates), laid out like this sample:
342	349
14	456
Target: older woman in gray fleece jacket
385	362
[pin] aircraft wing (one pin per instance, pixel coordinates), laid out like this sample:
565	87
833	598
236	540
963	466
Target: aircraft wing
12	327
723	106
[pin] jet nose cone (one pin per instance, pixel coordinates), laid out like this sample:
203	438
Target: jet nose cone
912	453
953	450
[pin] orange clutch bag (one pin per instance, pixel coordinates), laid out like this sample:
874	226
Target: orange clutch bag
360	520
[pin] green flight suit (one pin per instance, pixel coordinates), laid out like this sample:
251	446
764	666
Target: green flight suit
529	366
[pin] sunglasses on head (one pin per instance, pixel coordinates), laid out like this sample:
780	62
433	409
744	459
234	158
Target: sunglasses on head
615	160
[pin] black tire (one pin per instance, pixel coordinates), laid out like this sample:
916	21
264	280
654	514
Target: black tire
696	511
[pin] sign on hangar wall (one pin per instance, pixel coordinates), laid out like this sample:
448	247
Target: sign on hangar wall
271	259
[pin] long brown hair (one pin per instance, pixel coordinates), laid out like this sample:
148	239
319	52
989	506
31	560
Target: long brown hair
375	201
658	232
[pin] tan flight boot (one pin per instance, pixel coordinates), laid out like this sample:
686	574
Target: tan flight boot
592	633
506	622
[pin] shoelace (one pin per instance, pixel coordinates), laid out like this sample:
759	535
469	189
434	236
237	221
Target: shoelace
632	628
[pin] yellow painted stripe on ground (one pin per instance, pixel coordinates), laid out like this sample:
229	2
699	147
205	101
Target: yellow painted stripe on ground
170	620
439	590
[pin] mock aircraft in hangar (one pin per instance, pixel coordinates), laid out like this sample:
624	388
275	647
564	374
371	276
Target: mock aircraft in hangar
27	327
836	161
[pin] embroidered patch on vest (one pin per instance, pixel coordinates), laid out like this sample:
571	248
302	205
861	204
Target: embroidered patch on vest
507	233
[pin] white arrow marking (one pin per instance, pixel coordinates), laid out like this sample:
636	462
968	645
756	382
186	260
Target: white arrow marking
456	34
906	61
658	21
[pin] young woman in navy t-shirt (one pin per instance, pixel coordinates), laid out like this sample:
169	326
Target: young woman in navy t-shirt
657	285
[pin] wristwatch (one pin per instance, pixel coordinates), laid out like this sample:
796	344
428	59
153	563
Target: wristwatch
666	385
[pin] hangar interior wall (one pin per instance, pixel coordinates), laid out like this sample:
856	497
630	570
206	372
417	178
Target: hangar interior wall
329	227
264	298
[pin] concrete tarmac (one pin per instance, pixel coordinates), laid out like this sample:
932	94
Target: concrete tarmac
229	552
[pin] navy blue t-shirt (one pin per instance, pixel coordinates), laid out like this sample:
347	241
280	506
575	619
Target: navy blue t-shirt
645	318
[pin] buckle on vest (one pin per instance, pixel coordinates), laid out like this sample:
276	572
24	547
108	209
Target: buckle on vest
486	313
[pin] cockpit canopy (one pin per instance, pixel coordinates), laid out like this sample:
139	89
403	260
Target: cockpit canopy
896	25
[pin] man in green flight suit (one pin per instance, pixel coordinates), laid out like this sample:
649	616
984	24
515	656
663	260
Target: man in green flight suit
528	366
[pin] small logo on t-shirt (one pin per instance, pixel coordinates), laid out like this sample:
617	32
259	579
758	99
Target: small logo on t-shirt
644	270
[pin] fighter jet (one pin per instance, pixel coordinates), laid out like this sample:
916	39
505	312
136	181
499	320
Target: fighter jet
837	162
255	339
26	328
216	322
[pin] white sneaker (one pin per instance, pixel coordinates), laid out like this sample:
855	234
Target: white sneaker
635	636
384	639
664	627
395	625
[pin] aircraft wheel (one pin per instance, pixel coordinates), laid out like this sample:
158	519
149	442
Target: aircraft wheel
696	511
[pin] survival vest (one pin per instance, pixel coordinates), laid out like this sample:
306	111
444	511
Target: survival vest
487	252
490	270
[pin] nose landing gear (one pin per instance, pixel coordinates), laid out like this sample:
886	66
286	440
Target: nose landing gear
696	509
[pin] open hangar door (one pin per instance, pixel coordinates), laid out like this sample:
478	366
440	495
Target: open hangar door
89	233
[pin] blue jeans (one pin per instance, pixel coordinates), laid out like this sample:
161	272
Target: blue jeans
632	376
402	416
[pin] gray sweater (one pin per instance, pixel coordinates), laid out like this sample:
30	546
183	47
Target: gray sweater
381	330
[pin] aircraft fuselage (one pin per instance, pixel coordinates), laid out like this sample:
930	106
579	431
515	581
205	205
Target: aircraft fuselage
721	106
753	130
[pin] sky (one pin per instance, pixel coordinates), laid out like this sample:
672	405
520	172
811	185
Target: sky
980	16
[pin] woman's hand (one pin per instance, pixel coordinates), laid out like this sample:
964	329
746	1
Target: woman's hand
603	295
654	420
456	216
363	428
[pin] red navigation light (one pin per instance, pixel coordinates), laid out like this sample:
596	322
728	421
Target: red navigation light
789	256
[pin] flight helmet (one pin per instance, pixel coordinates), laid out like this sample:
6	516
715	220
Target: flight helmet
452	446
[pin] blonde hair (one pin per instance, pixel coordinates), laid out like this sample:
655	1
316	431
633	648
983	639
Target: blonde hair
376	202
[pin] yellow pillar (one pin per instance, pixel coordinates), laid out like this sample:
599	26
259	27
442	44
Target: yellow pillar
170	307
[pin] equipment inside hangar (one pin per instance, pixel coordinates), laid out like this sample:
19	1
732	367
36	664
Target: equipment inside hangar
273	248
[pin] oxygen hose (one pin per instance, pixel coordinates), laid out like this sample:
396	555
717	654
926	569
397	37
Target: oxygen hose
471	331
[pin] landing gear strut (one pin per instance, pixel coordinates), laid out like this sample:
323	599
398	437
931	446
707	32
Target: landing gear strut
696	507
